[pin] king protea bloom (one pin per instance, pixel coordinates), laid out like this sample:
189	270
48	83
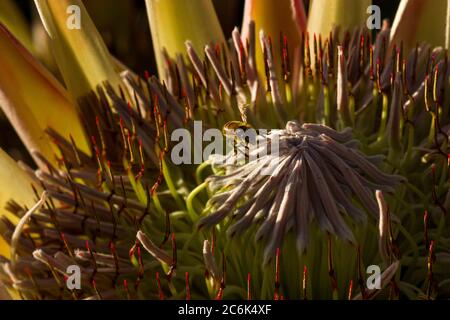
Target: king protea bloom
361	176
317	173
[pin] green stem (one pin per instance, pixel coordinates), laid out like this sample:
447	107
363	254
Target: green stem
171	185
413	243
432	129
351	107
326	106
384	116
189	201
158	205
199	170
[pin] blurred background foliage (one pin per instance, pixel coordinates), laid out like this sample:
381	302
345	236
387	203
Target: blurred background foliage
124	26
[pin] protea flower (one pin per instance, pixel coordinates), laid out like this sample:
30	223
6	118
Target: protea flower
360	176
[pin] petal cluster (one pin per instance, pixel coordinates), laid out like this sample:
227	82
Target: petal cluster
317	175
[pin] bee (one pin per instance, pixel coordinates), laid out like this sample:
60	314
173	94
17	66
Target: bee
231	128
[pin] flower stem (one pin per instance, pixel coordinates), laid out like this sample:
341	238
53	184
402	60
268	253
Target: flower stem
189	201
171	185
199	170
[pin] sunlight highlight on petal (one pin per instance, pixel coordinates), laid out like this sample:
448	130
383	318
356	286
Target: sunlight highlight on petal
80	52
33	100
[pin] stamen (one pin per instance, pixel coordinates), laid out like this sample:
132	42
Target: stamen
127	290
277	275
430	262
425	226
331	271
249	286
160	291
210	262
151	248
361	282
350	290
188	289
304	282
20	226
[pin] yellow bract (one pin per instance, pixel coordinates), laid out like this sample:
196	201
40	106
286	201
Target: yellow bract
12	18
81	55
172	22
274	17
325	15
33	100
420	21
14	184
